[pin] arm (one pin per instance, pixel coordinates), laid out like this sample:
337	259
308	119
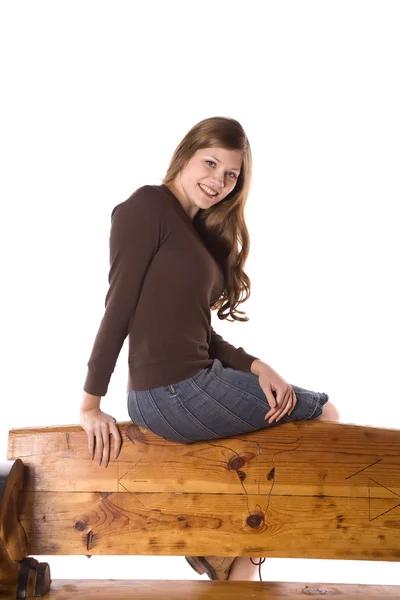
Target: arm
280	395
136	233
230	356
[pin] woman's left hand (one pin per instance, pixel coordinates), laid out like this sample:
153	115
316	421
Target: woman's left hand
284	400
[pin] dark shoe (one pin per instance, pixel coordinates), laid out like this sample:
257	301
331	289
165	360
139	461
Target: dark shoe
216	567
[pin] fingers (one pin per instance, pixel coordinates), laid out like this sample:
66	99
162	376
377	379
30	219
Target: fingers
117	439
284	411
271	401
278	405
99	446
105	436
99	426
91	444
103	447
282	406
286	407
289	407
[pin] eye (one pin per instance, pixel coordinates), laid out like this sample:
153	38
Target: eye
231	172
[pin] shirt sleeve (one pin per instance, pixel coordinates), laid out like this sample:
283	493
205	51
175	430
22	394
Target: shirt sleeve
235	358
135	237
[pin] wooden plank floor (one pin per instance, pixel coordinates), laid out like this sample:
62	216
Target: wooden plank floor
208	590
308	489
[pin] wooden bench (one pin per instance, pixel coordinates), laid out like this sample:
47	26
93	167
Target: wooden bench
300	490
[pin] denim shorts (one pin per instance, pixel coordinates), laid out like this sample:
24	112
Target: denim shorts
217	402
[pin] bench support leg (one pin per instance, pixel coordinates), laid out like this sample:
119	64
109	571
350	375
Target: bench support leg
21	576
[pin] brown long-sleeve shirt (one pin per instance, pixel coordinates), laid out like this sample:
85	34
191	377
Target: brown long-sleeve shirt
163	280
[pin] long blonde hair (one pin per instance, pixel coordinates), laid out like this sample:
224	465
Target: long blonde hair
223	225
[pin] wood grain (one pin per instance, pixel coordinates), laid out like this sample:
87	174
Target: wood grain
85	589
307	489
186	524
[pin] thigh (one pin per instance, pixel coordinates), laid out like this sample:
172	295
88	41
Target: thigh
241	393
217	402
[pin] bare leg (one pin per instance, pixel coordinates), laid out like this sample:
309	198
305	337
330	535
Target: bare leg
244	570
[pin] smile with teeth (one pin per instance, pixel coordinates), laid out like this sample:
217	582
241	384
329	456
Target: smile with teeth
207	190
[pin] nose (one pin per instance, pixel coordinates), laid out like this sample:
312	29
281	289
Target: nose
218	182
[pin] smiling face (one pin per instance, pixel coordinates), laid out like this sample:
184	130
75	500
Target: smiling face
207	178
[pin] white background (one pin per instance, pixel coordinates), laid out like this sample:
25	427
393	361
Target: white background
95	96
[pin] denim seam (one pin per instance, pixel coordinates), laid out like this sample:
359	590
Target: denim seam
316	405
310	416
162	416
231	386
224	407
195	420
141	414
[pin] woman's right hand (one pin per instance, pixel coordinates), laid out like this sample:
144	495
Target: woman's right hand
99	426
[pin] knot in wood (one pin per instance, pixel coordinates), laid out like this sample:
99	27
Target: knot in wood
254	521
80	525
241	475
134	434
236	463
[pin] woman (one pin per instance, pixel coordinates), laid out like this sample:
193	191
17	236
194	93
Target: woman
174	255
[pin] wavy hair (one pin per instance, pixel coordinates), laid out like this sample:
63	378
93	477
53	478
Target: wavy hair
223	225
